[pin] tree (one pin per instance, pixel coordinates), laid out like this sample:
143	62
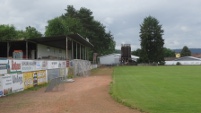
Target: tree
136	52
55	27
185	52
82	22
7	32
151	41
20	34
31	32
168	52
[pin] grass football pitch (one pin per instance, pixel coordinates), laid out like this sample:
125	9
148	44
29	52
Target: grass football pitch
158	89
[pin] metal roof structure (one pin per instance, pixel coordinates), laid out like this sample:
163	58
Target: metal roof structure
187	58
74	42
60	41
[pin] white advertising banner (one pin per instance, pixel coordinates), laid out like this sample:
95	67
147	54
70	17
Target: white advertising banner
11	83
44	65
62	64
17	80
3	61
6	84
41	65
34	65
3	68
28	65
53	64
38	65
15	65
56	64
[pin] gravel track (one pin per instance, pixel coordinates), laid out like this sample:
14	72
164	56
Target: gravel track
85	95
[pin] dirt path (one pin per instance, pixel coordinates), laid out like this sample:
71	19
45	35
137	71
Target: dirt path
85	95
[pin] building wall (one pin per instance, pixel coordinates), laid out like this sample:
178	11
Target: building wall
183	62
113	59
109	59
47	51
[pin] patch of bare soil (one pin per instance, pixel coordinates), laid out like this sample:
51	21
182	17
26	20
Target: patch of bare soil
86	95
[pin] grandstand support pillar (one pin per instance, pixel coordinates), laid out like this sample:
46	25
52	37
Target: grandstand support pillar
85	53
67	48
72	56
76	50
83	56
8	48
80	51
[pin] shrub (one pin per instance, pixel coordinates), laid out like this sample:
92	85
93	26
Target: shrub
178	63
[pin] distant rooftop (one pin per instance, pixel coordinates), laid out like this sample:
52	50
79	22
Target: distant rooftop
188	58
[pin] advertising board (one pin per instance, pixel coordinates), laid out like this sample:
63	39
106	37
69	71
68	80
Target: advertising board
62	64
33	65
3	68
3	61
28	79
6	84
15	65
44	65
17	82
52	64
34	78
41	65
41	77
38	65
11	83
28	65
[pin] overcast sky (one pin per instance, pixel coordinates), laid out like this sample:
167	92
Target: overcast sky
180	19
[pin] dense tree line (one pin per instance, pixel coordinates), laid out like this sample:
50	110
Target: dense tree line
185	51
167	52
9	32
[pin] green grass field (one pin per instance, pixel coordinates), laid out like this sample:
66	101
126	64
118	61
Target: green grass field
158	89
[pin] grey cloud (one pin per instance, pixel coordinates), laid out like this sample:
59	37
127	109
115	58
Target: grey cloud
181	20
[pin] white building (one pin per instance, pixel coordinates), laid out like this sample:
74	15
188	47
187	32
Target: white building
113	59
187	60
